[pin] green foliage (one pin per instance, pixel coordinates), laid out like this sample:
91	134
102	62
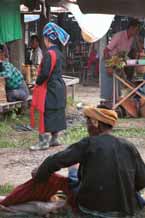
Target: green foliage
116	61
4	128
9	137
69	101
73	134
5	189
129	132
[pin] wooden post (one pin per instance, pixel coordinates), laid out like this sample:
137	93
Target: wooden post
102	45
73	93
17	51
42	21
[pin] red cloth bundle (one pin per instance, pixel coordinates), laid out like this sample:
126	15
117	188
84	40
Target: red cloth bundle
34	191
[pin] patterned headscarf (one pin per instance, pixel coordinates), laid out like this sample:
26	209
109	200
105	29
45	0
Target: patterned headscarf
53	32
100	114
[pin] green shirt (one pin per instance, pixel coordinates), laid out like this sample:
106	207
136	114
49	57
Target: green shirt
13	75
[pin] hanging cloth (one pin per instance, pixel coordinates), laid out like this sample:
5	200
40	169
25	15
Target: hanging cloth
39	95
10	21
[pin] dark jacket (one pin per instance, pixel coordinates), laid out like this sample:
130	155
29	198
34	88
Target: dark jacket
55	98
111	171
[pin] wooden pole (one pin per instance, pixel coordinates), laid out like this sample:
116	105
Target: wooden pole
17	51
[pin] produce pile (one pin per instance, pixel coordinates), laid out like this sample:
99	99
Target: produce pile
117	61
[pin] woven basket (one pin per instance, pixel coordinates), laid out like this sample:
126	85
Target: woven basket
26	70
142	107
130	106
3	97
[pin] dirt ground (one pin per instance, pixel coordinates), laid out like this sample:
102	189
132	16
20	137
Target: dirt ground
16	164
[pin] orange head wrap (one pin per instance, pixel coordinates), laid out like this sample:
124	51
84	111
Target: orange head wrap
100	114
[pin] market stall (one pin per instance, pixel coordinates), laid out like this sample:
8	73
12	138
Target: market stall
133	95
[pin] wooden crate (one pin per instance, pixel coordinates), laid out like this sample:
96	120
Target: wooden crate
3	97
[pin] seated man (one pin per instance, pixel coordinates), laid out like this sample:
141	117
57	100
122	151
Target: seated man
110	173
16	88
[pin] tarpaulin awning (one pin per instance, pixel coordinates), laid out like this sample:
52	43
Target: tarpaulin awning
31	17
10	20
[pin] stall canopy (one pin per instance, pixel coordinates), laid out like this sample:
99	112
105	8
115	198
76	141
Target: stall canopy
118	7
10	22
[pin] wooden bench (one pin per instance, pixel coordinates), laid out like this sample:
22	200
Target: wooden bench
9	106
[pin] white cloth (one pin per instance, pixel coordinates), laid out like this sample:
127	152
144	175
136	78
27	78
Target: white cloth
36	56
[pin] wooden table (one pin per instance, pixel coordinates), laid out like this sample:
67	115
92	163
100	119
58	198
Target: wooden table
133	90
10	106
69	81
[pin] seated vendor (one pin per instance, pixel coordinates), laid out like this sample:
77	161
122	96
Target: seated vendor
111	172
16	88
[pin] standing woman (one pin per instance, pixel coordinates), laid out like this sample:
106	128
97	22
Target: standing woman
55	101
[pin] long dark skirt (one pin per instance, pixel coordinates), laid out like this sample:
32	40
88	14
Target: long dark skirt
55	120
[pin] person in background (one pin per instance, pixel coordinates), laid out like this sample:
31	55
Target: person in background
93	61
121	42
55	101
136	49
36	53
16	88
111	172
